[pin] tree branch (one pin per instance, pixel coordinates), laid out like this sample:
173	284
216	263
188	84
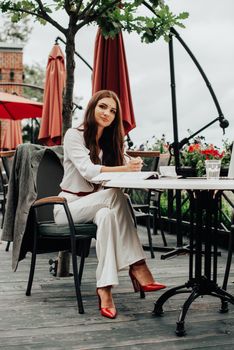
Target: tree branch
108	6
13	9
49	19
74	13
88	8
79	6
92	18
66	6
41	16
149	7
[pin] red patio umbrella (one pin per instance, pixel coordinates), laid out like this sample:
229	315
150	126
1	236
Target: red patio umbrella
110	72
51	123
10	134
17	107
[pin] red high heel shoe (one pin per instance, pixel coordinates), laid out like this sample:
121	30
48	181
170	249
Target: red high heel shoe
105	311
150	287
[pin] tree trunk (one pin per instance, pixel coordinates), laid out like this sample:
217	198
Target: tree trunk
70	67
64	256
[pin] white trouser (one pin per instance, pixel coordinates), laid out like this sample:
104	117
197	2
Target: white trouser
117	243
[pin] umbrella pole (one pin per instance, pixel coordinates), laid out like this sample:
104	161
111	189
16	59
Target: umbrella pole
63	267
174	106
179	238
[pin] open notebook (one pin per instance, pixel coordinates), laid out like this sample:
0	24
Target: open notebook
165	171
134	175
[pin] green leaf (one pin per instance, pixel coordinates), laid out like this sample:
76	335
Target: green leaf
183	15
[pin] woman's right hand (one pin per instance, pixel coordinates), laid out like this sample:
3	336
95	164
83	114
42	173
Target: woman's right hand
134	164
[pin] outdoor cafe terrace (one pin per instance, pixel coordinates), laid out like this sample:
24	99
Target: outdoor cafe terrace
48	319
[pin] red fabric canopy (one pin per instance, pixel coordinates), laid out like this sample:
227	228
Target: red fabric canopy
51	123
17	107
110	72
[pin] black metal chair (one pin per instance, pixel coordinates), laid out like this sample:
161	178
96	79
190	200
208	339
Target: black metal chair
142	211
155	198
141	208
2	194
146	205
229	256
7	160
47	235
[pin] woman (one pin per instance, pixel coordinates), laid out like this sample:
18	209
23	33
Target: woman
95	147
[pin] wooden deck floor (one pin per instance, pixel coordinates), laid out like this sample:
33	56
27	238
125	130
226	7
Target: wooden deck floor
49	319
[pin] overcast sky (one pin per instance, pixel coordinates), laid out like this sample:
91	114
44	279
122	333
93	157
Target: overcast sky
209	34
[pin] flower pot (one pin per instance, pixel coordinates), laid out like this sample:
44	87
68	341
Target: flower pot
187	171
224	171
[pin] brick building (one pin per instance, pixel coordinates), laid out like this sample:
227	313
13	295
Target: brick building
11	67
11	71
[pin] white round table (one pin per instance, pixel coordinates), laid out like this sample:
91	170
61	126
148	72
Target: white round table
203	257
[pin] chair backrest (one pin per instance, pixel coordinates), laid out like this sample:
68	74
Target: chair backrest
7	161
2	183
49	177
154	164
164	160
5	169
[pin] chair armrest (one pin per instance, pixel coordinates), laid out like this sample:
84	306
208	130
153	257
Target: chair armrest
56	200
140	206
49	200
7	153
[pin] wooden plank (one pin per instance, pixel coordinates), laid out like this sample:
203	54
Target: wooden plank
149	154
48	319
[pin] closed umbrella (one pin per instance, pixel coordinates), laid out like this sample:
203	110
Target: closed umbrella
51	123
110	72
17	107
11	134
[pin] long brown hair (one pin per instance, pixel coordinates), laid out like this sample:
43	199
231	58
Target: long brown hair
111	141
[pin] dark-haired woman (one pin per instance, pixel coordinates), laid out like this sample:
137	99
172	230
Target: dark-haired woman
94	147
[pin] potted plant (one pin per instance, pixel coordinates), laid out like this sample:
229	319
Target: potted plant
195	154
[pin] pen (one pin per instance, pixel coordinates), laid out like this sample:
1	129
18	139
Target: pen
129	157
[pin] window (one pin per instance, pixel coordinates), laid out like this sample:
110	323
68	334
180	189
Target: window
12	75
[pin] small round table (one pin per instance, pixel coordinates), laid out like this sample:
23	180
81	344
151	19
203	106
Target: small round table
203	256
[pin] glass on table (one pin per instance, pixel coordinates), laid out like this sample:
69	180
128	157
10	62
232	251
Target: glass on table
213	169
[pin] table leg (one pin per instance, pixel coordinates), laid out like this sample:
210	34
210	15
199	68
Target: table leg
180	330
202	267
158	305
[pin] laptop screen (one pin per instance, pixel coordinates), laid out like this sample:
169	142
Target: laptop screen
231	166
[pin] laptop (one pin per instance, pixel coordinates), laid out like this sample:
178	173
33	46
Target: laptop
231	165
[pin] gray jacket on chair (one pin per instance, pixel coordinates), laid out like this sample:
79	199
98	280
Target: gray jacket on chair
22	193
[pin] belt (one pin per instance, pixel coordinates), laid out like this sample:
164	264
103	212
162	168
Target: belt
80	194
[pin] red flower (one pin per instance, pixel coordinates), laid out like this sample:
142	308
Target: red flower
212	153
194	147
